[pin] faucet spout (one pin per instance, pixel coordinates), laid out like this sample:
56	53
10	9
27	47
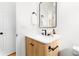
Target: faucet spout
45	32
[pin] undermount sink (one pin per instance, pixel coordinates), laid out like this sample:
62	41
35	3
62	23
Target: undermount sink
44	36
47	36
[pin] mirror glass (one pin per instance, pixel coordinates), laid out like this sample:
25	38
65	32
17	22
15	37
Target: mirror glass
48	14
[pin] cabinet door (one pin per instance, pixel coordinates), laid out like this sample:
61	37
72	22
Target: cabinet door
55	46
7	17
35	48
1	35
31	47
40	49
1	43
9	26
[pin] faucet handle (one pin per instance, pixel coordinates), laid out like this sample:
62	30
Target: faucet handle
48	34
42	33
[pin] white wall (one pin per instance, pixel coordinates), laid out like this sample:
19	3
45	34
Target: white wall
67	23
23	24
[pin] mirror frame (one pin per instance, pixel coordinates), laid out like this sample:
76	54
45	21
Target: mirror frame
55	16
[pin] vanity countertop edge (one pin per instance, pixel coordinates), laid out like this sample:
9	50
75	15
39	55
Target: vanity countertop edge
45	40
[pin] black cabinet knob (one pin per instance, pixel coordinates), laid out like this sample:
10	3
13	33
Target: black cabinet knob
1	33
31	44
16	35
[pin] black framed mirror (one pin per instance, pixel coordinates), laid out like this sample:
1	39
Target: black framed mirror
48	14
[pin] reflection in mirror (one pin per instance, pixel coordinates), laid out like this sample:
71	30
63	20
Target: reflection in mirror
48	14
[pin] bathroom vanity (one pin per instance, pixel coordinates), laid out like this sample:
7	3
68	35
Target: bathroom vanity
39	45
42	44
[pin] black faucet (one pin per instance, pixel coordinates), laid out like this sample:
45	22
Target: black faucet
45	33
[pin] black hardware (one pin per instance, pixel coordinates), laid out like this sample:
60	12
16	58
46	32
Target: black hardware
54	31
31	44
34	13
45	32
16	35
42	33
1	33
42	16
48	34
52	48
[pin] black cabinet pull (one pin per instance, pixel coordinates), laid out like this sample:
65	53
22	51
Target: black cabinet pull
1	33
52	48
31	44
16	35
55	48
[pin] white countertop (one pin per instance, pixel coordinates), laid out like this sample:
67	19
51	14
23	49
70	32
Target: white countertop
41	38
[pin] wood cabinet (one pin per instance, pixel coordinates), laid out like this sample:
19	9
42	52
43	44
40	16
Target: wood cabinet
35	48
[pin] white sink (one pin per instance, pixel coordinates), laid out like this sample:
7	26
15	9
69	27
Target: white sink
42	38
